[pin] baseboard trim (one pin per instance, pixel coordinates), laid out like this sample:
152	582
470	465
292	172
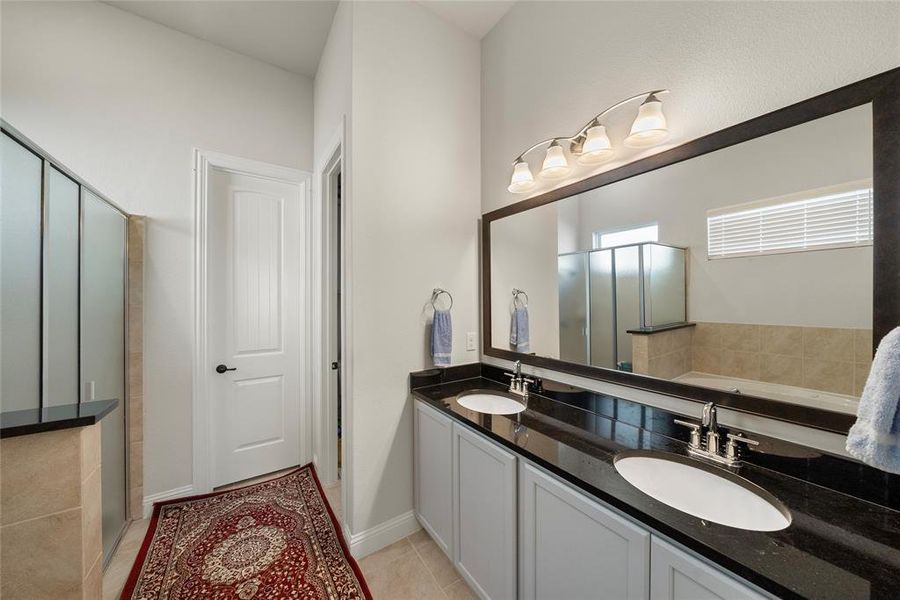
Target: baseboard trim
186	490
384	534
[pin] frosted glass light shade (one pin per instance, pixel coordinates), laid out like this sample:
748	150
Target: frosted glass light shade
522	180
649	127
597	147
555	163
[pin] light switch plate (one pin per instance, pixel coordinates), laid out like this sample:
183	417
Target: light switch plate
472	340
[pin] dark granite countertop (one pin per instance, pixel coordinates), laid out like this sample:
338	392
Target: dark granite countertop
838	545
52	418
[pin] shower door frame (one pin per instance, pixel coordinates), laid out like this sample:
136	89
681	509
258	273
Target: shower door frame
48	161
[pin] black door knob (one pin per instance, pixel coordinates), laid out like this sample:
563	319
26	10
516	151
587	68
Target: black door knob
222	368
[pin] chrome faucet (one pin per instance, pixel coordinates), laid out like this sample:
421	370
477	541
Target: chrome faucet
710	420
707	446
519	384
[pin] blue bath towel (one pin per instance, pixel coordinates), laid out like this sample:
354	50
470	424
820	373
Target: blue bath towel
875	437
441	338
518	330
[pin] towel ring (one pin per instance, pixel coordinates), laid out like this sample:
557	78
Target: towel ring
516	292
436	292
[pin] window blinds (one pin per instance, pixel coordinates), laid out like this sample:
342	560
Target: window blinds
835	217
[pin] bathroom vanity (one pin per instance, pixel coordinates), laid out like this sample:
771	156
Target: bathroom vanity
530	505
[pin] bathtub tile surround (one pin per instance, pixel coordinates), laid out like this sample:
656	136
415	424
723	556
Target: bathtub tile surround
50	527
818	358
824	553
136	228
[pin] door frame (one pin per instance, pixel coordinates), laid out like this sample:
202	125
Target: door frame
335	157
202	422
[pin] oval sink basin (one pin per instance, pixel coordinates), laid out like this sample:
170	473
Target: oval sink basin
492	403
703	491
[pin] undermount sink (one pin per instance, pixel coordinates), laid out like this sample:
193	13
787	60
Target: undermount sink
703	491
489	402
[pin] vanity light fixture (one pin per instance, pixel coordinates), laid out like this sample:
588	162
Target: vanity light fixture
597	148
555	163
591	145
522	179
649	127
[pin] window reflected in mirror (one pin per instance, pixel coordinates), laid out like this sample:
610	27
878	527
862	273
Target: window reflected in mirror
748	269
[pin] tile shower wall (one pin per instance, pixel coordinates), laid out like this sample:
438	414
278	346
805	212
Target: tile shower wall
136	227
50	526
820	358
664	354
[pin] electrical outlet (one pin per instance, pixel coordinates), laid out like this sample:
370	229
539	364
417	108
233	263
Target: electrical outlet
472	340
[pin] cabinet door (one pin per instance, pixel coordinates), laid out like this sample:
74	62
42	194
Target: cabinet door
433	474
676	575
572	547
484	484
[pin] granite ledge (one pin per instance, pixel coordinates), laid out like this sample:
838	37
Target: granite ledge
53	418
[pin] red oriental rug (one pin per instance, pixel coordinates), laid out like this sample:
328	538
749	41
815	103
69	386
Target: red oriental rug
272	540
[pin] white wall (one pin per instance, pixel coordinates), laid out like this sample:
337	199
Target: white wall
414	209
548	67
333	84
123	102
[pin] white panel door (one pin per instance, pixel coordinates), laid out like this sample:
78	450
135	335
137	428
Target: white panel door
254	269
484	486
572	547
676	575
433	474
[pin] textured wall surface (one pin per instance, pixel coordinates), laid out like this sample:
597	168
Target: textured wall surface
548	67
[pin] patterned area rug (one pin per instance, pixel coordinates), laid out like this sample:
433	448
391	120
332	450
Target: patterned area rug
271	540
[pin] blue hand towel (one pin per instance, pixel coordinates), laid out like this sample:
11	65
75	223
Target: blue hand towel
518	330
441	338
875	437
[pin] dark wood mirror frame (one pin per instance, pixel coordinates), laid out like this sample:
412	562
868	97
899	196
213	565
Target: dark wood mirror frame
883	91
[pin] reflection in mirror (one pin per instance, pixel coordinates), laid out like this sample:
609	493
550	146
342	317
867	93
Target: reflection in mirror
748	269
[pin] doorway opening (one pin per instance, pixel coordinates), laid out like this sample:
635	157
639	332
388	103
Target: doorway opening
336	276
333	424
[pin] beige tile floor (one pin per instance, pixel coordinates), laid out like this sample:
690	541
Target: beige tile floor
412	569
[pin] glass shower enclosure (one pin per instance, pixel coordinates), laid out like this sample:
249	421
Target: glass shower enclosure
604	294
63	304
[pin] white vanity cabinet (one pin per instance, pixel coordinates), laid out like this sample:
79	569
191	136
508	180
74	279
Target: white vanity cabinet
433	464
484	488
514	530
677	575
572	547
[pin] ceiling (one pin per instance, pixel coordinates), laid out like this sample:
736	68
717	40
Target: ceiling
476	17
289	34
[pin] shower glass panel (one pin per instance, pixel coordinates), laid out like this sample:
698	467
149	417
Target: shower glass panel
628	299
664	292
60	290
103	348
603	310
573	307
20	276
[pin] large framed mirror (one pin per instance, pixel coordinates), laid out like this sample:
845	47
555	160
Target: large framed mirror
756	267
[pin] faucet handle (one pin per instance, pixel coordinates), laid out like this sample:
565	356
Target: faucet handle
739	437
695	431
731	446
